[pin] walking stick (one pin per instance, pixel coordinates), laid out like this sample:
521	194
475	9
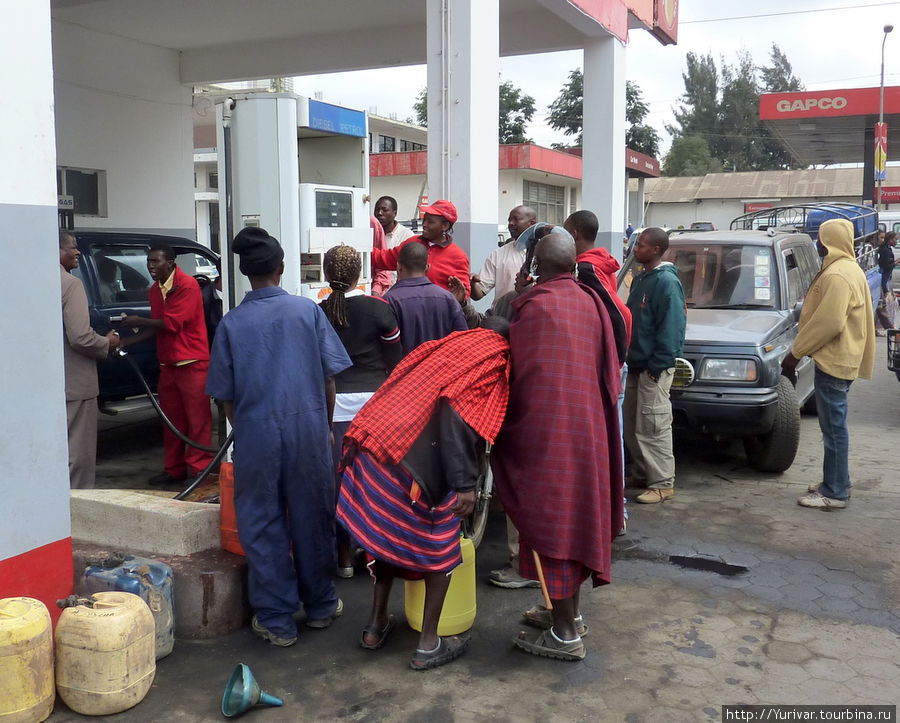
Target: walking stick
540	572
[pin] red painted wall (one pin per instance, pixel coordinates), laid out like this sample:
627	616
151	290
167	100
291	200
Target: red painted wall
45	573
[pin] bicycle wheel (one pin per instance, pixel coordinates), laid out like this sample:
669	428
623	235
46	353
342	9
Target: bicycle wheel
476	523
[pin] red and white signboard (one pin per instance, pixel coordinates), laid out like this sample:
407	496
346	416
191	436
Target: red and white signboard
757	206
889	194
828	103
644	164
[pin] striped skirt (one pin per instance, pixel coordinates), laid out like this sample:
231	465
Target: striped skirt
377	509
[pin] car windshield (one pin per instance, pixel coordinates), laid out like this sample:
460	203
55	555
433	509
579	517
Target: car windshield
726	276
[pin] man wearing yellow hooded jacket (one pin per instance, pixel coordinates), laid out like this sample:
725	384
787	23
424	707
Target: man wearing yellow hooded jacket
837	329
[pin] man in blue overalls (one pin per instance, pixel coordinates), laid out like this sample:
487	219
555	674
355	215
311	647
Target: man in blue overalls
273	364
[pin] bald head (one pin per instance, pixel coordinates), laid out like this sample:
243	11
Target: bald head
520	218
412	260
554	255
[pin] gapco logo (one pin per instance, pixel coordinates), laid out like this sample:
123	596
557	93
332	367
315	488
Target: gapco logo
786	106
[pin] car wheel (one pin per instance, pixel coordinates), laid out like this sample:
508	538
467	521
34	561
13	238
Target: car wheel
775	451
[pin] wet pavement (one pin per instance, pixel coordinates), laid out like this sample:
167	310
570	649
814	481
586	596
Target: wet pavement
769	603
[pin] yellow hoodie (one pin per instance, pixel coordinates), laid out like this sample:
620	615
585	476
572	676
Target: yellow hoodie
837	323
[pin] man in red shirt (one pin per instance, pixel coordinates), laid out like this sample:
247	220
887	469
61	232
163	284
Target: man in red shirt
176	318
445	258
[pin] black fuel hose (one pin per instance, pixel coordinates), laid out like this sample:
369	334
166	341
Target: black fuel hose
219	451
205	473
172	428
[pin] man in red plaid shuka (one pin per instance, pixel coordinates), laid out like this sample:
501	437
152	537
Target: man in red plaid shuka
557	461
411	460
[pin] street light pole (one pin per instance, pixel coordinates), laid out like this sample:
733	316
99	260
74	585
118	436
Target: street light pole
887	29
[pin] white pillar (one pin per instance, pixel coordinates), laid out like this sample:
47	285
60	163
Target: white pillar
35	544
463	47
603	190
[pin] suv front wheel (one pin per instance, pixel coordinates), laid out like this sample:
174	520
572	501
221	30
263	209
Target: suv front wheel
775	450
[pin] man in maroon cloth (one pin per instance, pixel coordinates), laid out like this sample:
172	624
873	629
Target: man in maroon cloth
557	461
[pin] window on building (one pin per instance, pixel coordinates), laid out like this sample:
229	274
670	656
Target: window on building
86	187
548	201
410	146
213	179
387	144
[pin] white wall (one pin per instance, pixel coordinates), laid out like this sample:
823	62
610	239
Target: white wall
120	108
34	510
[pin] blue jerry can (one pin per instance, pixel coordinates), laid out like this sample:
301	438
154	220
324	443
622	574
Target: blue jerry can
151	580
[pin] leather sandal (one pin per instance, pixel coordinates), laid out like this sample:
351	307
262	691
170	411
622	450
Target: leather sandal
547	645
448	649
541	617
381	634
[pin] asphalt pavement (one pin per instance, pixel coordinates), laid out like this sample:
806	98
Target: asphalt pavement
728	593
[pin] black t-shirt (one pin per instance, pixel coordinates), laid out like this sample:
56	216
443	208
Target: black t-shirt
372	341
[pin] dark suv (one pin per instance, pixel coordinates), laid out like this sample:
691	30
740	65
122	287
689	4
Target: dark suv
743	291
113	267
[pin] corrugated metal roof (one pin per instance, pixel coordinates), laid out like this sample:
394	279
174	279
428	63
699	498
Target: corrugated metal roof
782	185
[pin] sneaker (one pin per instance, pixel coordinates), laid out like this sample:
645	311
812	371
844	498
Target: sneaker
510	579
819	501
322	623
267	634
815	488
655	495
164	479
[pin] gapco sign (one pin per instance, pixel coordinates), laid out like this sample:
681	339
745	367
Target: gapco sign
826	103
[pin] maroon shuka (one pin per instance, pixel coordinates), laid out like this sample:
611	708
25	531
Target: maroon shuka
557	461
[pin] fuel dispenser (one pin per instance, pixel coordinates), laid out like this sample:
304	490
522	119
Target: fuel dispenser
299	168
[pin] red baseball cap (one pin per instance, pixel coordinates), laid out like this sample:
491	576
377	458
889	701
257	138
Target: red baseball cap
442	208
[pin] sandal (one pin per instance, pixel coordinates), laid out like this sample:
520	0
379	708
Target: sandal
547	645
380	633
448	649
541	617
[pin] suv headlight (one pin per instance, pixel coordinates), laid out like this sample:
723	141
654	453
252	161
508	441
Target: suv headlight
739	370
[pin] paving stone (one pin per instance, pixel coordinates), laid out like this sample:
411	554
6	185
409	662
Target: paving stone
836	605
799	593
871	667
837	590
841	576
787	652
829	669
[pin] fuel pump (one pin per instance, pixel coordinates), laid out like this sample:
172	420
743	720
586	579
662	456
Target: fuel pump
299	168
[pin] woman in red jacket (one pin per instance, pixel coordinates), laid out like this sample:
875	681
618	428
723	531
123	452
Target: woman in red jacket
445	258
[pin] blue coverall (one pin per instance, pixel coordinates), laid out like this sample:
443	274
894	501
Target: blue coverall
271	356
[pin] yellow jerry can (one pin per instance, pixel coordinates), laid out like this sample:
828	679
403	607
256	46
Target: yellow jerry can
105	653
26	661
458	613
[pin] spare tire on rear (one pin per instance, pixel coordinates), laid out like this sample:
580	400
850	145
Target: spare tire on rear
775	451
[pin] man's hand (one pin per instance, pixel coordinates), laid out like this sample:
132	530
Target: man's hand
457	289
133	320
465	503
522	282
789	367
114	340
474	279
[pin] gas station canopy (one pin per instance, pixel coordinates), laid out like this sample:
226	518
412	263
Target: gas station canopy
830	126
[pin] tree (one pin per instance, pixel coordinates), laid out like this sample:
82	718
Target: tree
516	111
690	156
567	111
779	77
722	108
639	137
567	115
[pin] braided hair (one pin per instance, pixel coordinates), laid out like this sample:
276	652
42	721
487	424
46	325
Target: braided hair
342	266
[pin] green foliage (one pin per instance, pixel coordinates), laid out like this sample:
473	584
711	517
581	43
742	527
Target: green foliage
566	114
722	108
516	111
690	156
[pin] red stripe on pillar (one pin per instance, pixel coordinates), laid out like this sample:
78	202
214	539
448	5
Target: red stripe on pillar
44	573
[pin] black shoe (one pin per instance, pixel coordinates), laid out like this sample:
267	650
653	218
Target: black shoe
164	478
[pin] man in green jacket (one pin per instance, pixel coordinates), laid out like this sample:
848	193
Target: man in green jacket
658	316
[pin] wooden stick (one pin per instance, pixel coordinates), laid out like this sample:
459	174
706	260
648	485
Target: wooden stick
540	572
